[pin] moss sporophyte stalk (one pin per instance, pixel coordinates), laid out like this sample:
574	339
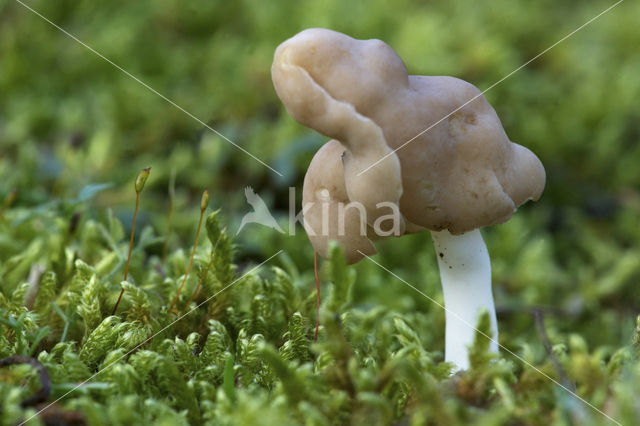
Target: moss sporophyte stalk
141	179
204	202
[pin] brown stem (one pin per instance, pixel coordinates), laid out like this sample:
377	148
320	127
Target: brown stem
542	332
170	215
193	252
126	268
315	269
195	292
206	271
45	381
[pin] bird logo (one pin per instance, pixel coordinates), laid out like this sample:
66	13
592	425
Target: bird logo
260	213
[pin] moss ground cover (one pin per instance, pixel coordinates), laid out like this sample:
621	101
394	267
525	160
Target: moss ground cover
75	132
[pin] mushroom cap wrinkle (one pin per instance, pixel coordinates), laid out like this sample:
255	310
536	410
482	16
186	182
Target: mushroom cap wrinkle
461	174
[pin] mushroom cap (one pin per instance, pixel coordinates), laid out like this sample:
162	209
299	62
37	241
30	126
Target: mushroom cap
454	168
464	172
310	103
325	200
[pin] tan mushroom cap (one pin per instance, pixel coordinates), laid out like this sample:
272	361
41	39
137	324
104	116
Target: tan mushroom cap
325	200
307	100
461	174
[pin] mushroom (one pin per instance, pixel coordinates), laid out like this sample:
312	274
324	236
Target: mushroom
461	174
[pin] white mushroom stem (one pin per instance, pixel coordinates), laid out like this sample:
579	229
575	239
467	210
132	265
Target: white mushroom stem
465	273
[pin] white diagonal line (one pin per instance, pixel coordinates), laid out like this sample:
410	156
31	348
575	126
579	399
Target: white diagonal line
76	39
493	85
495	341
149	338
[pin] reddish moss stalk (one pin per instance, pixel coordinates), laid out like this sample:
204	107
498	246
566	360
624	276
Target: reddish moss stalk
139	185
172	191
315	269
204	202
204	275
206	271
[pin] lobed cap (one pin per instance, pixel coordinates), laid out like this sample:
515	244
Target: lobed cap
440	152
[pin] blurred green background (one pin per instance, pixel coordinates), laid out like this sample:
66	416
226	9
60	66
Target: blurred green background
69	119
